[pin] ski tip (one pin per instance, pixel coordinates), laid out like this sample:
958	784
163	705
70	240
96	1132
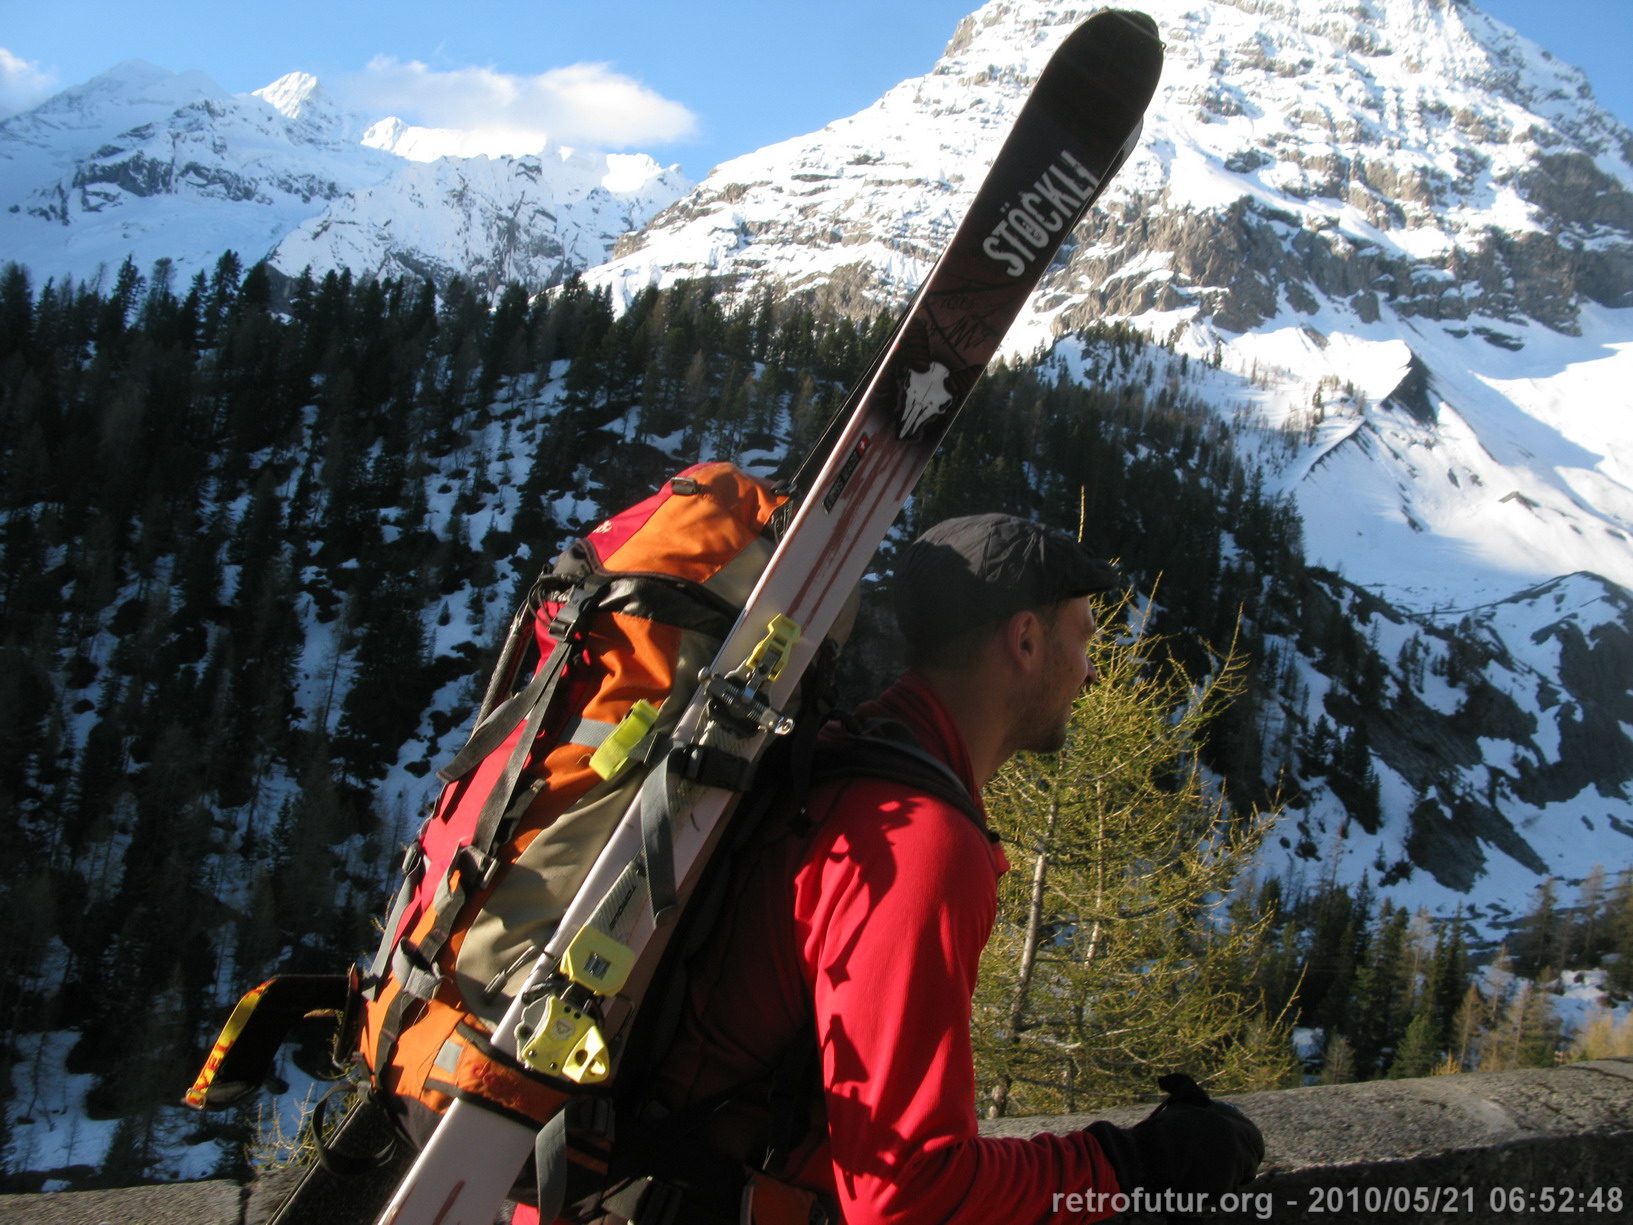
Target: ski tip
1141	22
1129	31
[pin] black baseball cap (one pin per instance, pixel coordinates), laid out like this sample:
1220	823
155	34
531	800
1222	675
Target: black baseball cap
979	569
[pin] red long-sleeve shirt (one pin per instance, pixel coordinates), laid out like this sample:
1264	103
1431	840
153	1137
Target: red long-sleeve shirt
875	921
872	923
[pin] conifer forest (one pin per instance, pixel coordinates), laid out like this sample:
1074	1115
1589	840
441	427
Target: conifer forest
259	539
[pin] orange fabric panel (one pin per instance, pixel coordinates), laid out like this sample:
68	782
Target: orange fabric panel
688	537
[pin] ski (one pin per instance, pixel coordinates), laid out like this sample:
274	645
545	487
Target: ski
1076	128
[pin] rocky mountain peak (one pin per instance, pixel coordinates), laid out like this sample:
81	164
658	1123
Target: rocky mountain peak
291	93
301	98
1409	151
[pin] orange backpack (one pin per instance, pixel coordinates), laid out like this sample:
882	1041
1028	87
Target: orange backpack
620	627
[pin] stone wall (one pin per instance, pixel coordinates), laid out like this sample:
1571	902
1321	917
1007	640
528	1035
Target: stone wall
1453	1149
1553	1144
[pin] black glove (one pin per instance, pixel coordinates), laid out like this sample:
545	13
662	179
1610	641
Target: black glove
1189	1143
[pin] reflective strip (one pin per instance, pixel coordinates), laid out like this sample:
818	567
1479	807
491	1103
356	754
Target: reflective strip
448	1057
591	733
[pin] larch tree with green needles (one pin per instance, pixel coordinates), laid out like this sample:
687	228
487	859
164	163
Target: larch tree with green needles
1118	954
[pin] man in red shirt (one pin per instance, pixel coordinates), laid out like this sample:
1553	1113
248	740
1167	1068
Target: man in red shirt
858	931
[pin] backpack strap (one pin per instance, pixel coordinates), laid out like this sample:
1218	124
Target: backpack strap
887	749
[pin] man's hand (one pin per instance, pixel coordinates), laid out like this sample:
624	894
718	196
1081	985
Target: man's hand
1189	1144
1192	1143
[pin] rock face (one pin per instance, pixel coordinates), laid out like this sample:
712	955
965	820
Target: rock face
1507	730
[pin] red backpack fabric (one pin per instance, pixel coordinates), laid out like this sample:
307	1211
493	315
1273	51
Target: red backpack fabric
622	624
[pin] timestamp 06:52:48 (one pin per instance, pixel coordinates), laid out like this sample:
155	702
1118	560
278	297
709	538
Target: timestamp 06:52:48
1400	1200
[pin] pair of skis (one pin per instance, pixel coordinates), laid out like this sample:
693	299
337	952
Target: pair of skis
1079	124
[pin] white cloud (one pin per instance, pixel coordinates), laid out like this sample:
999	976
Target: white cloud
23	84
587	104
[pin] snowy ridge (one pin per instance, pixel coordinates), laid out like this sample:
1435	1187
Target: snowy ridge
1498	720
148	164
533	220
1501	757
300	98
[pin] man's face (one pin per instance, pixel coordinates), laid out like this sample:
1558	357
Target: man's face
1065	673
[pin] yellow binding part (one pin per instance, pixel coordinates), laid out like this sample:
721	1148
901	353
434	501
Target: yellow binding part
613	755
566	1042
770	657
598	962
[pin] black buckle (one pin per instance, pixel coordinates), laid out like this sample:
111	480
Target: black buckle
712	767
482	866
564	625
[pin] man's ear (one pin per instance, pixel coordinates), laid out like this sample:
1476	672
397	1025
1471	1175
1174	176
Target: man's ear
1023	639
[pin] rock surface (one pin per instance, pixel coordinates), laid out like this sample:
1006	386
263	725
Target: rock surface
1481	1147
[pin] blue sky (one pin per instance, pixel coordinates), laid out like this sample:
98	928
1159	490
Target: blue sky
693	81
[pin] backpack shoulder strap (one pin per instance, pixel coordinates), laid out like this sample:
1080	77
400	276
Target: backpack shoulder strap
886	749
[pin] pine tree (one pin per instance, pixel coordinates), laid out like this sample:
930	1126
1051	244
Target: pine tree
16	309
1619	934
1526	1035
1447	976
1466	1029
1338	943
1604	1036
1338	1061
1540	939
1419	1052
1383	994
1111	961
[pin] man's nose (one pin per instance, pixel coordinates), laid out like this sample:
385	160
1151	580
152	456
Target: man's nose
1091	674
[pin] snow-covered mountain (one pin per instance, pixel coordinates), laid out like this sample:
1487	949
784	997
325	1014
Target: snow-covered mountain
148	164
1405	235
1400	196
1389	242
533	220
1398	235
